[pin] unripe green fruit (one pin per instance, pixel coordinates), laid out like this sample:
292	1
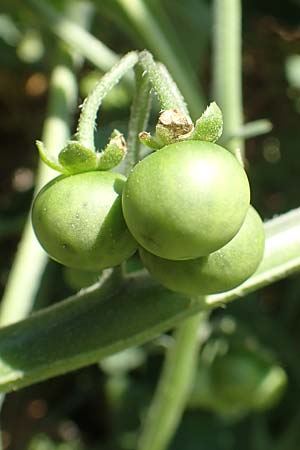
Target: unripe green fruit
244	379
78	220
186	200
220	271
237	382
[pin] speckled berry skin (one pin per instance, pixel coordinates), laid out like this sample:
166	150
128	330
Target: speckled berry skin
221	271
78	220
186	200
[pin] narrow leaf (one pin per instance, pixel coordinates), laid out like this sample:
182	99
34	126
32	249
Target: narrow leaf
100	321
84	329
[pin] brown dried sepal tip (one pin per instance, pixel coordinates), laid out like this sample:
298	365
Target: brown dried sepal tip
149	141
120	142
173	125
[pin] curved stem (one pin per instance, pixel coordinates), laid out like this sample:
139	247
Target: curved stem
155	38
173	87
138	117
227	76
168	94
174	386
86	124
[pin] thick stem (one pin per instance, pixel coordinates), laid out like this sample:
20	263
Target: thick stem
168	96
138	117
88	116
24	279
174	386
148	27
93	324
227	76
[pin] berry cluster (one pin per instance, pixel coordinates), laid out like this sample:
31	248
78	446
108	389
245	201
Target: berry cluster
186	206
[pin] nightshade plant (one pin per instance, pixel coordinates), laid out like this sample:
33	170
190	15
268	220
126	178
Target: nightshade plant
81	221
187	200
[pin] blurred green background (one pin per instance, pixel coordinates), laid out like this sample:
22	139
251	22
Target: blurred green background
257	337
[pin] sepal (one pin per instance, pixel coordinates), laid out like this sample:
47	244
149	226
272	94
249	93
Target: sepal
46	157
209	126
114	152
173	125
150	141
76	158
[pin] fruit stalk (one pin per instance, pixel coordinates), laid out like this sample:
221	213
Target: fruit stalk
86	124
139	115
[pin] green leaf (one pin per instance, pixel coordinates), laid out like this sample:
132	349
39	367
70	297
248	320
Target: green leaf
209	126
107	318
86	328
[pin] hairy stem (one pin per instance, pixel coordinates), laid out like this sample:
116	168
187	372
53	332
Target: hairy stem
88	116
138	116
168	96
227	75
174	386
148	27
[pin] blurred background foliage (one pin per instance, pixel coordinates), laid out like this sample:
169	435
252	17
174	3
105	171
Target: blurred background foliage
247	391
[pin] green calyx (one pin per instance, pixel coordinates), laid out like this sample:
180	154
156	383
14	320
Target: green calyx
174	125
80	155
76	158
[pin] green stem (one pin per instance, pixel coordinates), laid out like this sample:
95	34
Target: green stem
88	116
168	96
24	279
174	386
173	87
253	129
138	117
169	400
227	77
74	35
148	26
